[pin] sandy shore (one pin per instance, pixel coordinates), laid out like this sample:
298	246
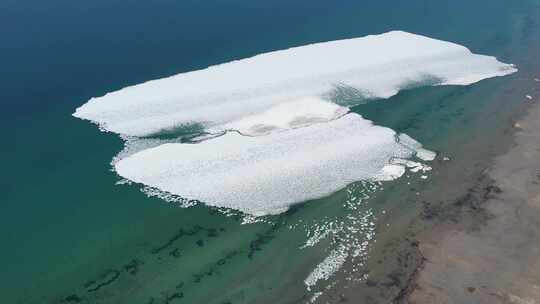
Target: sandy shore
494	257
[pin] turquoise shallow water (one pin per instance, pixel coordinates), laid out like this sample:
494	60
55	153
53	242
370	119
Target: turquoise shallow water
69	233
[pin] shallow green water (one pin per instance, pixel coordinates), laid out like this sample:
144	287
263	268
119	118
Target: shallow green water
70	233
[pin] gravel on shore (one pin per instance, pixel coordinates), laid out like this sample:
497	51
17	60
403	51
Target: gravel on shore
499	260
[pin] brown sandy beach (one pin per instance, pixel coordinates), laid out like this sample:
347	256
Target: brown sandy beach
496	260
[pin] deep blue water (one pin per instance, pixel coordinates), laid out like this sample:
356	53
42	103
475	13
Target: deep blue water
62	219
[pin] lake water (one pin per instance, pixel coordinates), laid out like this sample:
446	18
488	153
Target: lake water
71	235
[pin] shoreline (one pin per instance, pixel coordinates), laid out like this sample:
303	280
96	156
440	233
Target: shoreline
490	256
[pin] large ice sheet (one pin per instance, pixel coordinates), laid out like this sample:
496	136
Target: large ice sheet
276	126
221	95
266	174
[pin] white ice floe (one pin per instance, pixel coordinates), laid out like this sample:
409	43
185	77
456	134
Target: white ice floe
315	296
266	174
390	172
248	94
412	165
529	97
274	129
421	153
350	237
327	267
